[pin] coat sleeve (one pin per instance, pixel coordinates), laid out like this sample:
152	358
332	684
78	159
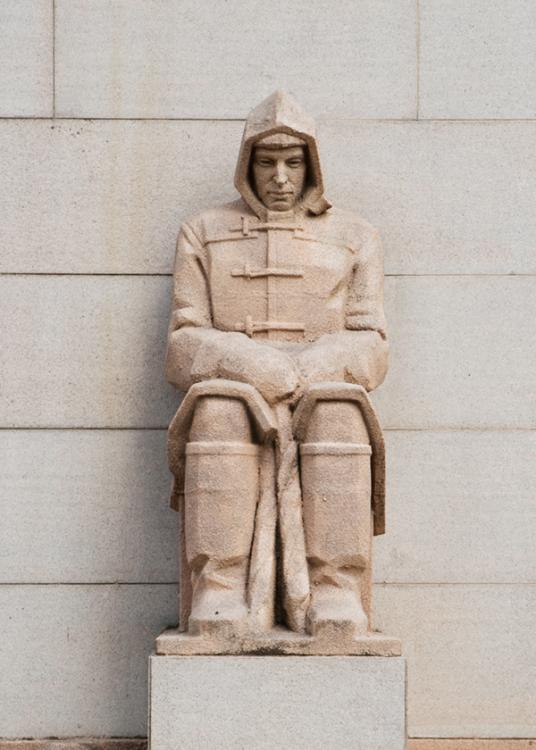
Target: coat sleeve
359	353
197	351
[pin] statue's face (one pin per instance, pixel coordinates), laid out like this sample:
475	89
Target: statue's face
279	175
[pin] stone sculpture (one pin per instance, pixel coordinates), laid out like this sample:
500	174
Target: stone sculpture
277	334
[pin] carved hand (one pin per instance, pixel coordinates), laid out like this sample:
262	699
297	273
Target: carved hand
197	354
350	356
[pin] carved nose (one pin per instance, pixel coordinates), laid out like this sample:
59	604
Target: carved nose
280	177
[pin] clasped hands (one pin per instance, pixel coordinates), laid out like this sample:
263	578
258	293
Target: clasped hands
279	376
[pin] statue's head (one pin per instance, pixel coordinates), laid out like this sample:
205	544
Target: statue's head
278	166
279	171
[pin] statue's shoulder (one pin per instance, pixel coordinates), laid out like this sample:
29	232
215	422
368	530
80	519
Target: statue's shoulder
213	221
349	226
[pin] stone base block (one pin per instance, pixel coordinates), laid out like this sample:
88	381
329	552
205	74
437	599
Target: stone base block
277	642
267	702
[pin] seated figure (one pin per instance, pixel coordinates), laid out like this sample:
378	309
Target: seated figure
277	333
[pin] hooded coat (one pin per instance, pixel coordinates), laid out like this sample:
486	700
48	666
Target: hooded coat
276	299
308	282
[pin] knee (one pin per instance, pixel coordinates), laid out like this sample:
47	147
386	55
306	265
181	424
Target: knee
337	421
221	418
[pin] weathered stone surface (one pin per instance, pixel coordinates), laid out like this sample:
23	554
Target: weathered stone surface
462	355
73	659
477	59
277	301
94	347
125	59
86	506
26	58
433	190
121	197
474	744
431	222
465	645
105	197
361	703
122	475
277	642
447	495
81	743
96	353
76	657
141	744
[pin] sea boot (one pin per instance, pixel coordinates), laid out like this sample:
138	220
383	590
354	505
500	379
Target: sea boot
336	487
221	491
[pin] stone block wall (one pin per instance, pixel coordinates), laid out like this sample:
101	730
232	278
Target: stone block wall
119	118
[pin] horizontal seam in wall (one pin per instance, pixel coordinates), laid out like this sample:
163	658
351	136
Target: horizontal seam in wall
141	274
86	273
74	428
88	583
70	118
439	742
383	584
322	120
100	740
104	742
459	429
454	583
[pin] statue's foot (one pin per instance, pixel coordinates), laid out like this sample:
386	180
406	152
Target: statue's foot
218	613
335	613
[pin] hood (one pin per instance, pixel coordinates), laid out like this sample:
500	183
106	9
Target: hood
280	113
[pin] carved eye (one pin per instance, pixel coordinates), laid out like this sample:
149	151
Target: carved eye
294	163
264	162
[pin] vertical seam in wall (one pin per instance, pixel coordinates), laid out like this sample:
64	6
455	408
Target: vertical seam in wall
53	58
418	55
406	724
149	702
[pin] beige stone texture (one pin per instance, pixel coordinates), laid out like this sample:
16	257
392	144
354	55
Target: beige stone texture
269	702
76	657
450	198
26	41
478	507
276	642
277	303
477	59
73	659
95	349
101	518
105	197
141	744
122	475
474	744
143	59
455	341
100	346
81	743
432	188
471	657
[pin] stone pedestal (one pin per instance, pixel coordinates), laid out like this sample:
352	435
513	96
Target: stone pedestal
276	642
266	702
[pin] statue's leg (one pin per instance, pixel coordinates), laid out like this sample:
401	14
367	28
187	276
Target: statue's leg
336	486
221	491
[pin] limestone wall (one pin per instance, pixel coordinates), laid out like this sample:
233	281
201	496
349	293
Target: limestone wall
121	117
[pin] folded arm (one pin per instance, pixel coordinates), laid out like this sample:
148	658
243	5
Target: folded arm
350	356
197	351
359	353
